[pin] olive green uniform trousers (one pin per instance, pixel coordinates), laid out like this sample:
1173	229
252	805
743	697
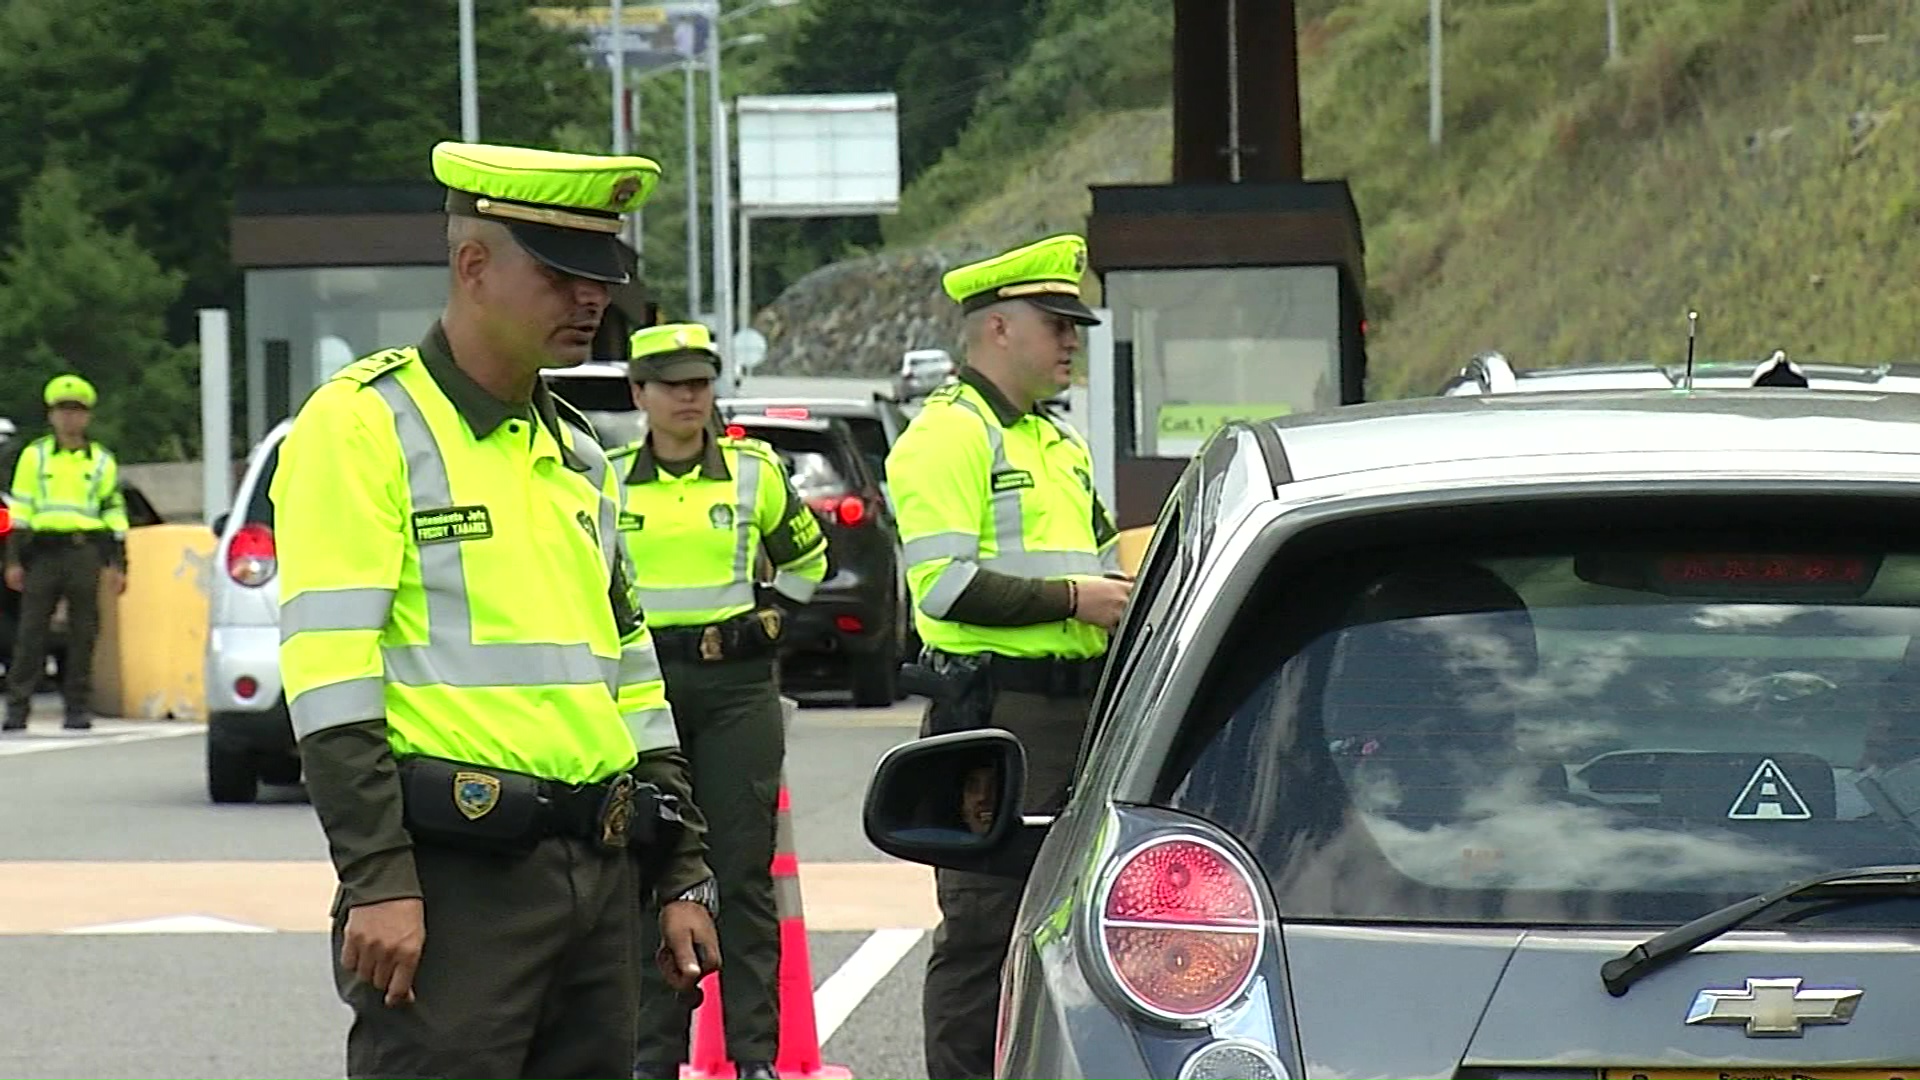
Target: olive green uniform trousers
527	969
56	570
733	732
961	995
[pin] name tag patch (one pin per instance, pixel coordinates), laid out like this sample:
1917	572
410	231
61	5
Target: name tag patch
1012	480
453	524
629	522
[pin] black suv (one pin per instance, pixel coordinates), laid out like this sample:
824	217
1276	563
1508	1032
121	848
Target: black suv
856	631
875	422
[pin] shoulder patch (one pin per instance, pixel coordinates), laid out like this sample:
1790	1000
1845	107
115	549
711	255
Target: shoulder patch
367	369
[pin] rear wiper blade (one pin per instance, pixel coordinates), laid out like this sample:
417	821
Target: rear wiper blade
1655	953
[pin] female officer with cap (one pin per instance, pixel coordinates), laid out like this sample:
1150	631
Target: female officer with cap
701	512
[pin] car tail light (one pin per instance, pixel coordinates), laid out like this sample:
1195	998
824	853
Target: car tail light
789	413
849	624
1180	927
6	520
848	510
245	687
250	556
735	431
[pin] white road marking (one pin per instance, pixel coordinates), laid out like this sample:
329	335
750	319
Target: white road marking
13	744
173	924
848	986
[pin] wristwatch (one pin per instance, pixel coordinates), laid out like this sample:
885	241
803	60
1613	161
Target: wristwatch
706	894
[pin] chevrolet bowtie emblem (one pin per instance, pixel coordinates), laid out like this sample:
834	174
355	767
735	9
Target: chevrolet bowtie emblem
1774	1007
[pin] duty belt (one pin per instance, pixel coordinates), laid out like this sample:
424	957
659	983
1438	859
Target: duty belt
480	807
748	636
1048	676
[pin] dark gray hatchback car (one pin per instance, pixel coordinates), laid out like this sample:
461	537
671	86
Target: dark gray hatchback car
1571	735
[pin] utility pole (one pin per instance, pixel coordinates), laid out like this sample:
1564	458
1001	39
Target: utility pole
1433	72
1613	30
469	78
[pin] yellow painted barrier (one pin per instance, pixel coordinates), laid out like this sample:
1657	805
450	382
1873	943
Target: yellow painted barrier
1133	547
150	662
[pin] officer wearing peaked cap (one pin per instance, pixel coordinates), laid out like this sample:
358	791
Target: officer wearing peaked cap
69	528
702	512
480	711
1014	570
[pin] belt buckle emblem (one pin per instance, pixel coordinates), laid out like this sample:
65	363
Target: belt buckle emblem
475	794
616	816
770	622
710	643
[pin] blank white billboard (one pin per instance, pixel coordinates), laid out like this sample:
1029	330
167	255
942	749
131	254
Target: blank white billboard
819	155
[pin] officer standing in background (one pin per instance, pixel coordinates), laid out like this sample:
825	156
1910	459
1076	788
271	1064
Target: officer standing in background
481	716
1014	570
701	511
69	526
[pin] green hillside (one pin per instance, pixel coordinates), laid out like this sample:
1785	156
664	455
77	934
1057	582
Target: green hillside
1758	160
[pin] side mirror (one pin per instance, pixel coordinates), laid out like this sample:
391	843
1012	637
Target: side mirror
219	524
914	807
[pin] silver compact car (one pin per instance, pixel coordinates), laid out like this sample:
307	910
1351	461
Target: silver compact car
249	733
1569	735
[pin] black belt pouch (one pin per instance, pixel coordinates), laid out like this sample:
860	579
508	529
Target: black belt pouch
455	804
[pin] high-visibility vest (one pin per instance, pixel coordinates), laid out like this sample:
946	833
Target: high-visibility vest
695	540
57	490
972	495
459	587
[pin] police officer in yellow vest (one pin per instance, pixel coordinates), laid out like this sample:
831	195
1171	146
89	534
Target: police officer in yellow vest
701	512
482	721
69	527
1014	570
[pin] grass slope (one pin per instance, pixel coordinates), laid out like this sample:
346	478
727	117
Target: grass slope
1758	160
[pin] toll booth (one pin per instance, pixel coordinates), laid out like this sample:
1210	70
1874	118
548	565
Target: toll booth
1223	301
332	274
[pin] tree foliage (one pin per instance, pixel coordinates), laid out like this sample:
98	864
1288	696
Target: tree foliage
84	298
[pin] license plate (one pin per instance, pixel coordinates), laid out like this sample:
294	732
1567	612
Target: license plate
1751	1073
1763	1073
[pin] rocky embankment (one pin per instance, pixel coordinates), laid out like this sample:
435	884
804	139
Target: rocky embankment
856	317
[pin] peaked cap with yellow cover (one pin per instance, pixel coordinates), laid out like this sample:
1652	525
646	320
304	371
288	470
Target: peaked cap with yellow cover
1045	273
673	352
563	208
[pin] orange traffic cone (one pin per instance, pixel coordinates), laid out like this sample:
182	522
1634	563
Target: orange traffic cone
799	1055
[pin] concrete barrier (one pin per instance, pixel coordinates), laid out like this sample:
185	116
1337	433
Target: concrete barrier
150	661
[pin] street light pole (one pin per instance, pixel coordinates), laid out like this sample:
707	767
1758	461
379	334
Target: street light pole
1433	72
689	91
469	79
719	148
617	62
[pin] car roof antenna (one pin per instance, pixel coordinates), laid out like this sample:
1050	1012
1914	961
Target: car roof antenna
1693	322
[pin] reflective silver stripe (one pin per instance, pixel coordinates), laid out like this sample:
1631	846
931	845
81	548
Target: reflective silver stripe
697	599
652	729
503	663
639	664
68	508
951	545
947	588
349	701
743	523
442	574
1040	564
451	657
793	586
1008	535
335	609
595	458
1110	559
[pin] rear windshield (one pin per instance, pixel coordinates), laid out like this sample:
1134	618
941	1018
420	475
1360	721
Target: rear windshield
259	504
591	393
812	459
871	437
1601	735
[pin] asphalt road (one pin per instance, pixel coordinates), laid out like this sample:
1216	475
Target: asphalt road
147	933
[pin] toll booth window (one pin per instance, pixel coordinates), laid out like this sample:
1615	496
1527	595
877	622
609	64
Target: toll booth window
1209	346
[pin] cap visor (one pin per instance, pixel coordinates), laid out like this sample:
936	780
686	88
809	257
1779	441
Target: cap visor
595	256
683	368
1061	304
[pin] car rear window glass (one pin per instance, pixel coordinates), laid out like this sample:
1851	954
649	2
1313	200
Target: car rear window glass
259	505
1590	734
814	459
590	393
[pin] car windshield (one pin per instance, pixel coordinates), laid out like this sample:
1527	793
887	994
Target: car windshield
1605	736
